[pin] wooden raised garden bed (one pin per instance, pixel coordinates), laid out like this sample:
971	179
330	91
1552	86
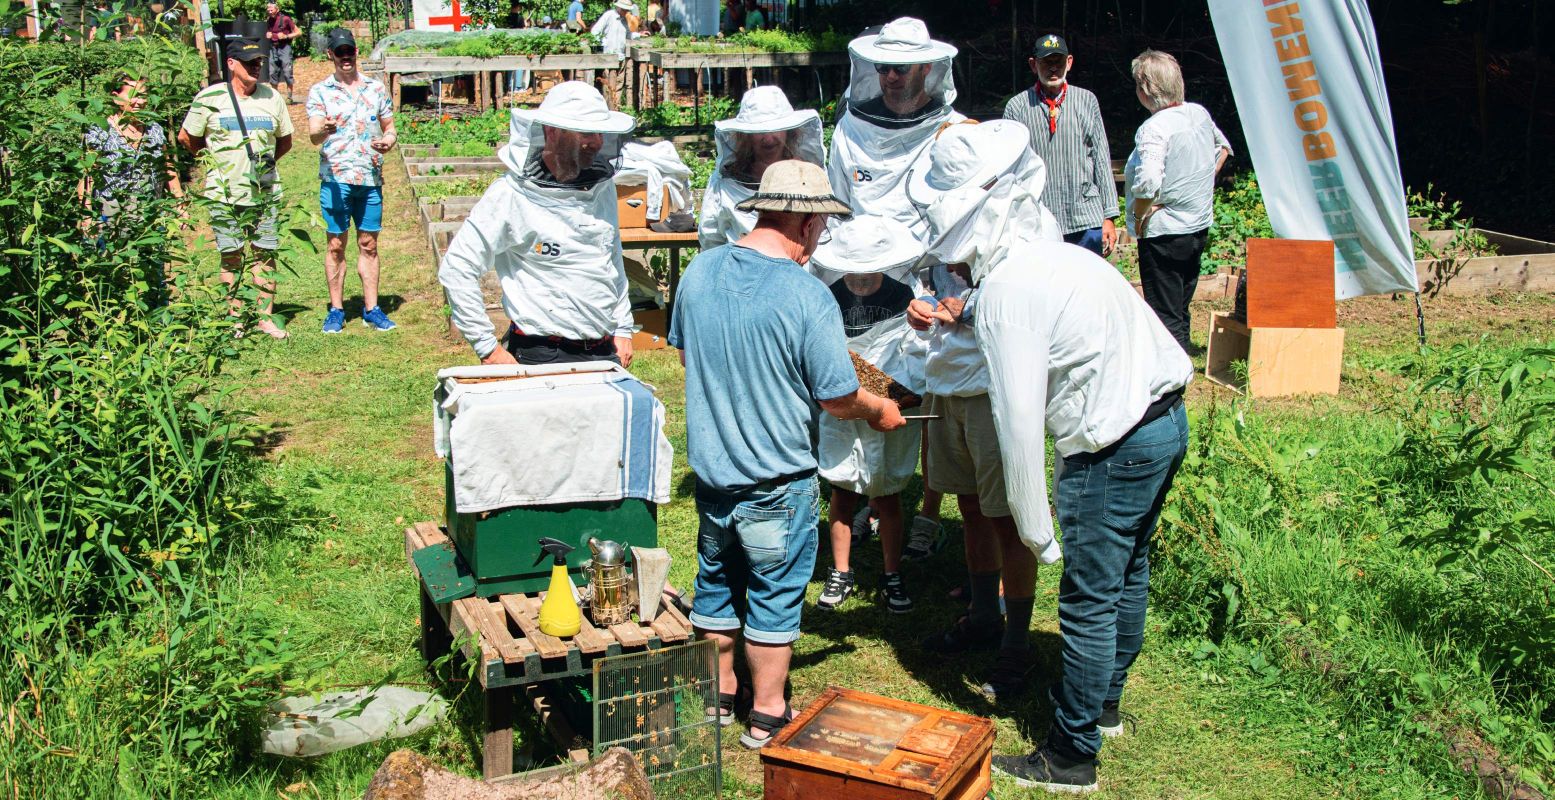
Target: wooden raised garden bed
1520	265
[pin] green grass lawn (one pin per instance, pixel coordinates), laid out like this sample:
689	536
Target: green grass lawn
352	456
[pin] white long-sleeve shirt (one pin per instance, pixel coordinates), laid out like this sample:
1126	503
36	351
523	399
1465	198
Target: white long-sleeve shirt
1173	164
1074	351
557	254
612	32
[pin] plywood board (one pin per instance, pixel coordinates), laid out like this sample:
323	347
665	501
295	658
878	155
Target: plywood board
1290	283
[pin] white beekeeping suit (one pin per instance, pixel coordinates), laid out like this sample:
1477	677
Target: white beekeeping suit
767	121
873	147
965	153
868	263
1082	363
555	245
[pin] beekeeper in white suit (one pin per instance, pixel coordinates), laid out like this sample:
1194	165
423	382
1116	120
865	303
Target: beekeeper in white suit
548	228
898	96
963	445
868	264
767	130
1073	351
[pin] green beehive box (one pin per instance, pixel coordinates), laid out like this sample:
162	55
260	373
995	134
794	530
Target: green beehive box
501	547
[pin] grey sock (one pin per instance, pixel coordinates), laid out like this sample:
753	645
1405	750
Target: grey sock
985	598
1017	621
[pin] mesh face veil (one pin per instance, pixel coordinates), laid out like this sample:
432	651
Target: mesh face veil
900	76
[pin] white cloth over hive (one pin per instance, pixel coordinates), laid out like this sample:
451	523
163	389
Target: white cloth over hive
555	246
561	433
764	109
658	167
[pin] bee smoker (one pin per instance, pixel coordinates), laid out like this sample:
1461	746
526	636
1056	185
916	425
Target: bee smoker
610	596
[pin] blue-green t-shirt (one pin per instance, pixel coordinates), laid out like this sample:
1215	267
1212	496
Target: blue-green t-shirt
574	10
763	342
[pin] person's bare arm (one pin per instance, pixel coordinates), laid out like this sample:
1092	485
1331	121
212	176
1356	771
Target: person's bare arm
194	144
385	142
880	413
321	128
283	145
1225	153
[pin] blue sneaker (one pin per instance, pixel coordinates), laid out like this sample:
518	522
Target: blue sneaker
335	320
375	318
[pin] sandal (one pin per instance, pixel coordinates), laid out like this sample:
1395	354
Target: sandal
768	723
724	713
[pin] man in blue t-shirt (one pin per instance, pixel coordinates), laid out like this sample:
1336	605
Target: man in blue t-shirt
763	346
575	22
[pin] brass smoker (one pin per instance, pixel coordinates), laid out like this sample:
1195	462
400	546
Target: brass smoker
611	597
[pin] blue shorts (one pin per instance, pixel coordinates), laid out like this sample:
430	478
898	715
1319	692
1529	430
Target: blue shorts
755	557
345	204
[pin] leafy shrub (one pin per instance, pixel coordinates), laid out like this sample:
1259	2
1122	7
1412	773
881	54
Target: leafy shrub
666	117
123	468
1239	215
459	187
489	128
771	41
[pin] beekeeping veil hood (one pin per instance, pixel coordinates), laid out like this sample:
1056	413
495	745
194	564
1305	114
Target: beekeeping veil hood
765	109
981	191
572	106
900	43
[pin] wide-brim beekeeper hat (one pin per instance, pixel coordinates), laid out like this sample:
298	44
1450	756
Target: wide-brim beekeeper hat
765	109
576	106
868	243
967	155
902	41
796	187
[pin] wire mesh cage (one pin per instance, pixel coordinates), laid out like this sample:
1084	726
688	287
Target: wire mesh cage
655	703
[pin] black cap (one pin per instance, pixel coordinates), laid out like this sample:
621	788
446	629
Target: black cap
245	49
339	37
1050	44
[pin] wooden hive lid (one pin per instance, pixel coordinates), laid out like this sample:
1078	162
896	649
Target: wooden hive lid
882	740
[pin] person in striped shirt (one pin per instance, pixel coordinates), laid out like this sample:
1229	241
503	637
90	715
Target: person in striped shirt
1067	134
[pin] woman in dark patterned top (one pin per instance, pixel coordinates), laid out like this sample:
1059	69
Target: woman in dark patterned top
134	165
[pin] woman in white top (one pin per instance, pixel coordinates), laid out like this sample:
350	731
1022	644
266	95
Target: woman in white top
767	130
1170	180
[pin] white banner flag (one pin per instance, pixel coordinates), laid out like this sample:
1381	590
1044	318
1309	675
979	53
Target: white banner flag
439	15
1308	85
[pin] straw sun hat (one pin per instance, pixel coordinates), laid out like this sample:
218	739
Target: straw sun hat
797	187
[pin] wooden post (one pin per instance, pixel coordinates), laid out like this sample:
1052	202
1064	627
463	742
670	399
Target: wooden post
394	90
497	752
435	641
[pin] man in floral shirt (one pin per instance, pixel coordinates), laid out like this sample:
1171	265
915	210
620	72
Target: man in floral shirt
351	118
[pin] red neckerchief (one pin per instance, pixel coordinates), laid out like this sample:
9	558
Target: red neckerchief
1052	104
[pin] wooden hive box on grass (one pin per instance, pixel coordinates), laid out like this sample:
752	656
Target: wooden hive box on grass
861	746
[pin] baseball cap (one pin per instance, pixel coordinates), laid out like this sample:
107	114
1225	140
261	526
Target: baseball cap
245	49
339	37
1050	44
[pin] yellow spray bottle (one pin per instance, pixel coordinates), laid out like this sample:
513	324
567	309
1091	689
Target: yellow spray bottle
559	615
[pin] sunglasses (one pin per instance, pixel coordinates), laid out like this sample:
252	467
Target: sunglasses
900	69
252	63
345	52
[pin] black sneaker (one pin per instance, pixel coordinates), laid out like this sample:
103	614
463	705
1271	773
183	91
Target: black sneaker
1007	679
926	538
1050	771
895	591
964	637
839	587
863	526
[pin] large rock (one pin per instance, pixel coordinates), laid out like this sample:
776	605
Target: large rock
407	775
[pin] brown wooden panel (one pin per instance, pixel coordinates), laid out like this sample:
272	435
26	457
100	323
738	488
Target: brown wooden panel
629	635
1290	283
524	613
431	533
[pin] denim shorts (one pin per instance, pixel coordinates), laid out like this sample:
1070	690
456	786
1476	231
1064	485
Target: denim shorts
345	204
755	556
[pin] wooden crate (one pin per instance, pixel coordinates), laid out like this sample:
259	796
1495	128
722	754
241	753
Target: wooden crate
1280	361
862	746
632	206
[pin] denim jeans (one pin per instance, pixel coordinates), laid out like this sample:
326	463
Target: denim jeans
755	556
1088	238
1108	504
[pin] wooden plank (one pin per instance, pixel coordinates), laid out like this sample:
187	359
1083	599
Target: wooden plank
523	612
497	744
478	618
550	61
466	630
556	723
1290	283
413	543
734	59
629	635
590	639
431	533
668	630
499	619
1487	275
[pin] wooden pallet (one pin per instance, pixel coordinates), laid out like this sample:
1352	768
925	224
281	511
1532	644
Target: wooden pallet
502	634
